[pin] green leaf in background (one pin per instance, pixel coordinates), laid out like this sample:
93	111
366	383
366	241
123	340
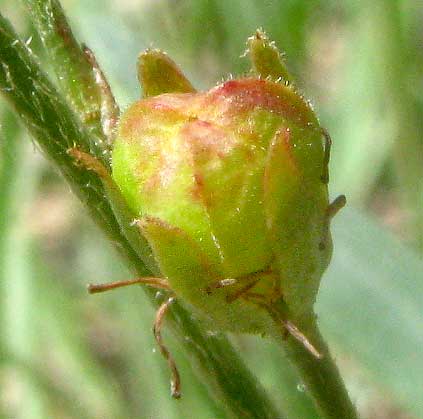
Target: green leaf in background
370	306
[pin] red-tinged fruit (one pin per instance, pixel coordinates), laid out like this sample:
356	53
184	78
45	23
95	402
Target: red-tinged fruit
229	188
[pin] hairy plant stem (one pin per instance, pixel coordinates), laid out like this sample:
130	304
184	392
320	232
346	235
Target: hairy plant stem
320	377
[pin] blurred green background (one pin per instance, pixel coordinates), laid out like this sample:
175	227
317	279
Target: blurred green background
64	354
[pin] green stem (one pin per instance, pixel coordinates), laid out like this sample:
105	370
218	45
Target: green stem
217	363
320	377
73	70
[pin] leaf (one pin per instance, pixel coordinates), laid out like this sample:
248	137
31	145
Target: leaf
370	306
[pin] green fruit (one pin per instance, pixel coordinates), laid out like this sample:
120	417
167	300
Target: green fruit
229	184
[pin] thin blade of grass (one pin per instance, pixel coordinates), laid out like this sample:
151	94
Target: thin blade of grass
370	306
